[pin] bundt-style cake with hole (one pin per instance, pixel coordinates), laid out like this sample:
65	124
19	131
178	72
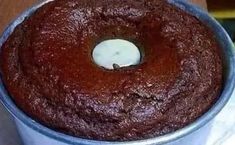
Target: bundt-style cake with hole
46	65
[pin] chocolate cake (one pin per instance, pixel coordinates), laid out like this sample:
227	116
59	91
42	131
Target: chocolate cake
48	70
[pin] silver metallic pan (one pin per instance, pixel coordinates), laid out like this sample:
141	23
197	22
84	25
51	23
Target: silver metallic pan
33	133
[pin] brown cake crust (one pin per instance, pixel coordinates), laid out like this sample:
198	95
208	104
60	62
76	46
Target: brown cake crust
47	68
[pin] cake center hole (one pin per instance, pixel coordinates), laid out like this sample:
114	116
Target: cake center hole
116	53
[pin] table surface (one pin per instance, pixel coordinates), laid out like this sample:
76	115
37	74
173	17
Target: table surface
223	130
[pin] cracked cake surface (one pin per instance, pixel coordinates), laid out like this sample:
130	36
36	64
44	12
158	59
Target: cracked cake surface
47	68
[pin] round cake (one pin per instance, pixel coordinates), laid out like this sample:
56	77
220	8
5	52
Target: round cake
47	67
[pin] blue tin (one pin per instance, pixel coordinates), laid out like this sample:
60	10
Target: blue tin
33	133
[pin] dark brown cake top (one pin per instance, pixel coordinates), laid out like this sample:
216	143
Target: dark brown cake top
48	70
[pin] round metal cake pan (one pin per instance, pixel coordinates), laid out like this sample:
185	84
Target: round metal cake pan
33	133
